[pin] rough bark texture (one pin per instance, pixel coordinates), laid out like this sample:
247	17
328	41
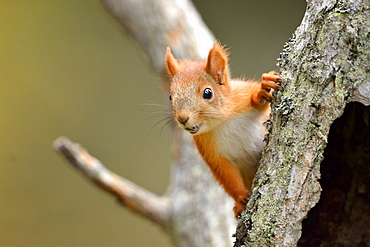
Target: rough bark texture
325	66
342	216
322	65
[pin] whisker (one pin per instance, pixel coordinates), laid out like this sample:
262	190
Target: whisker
169	118
169	122
171	130
151	103
159	114
167	110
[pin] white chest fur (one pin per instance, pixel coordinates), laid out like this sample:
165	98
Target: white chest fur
240	140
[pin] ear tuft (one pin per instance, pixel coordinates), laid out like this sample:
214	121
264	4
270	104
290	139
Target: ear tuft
171	63
217	64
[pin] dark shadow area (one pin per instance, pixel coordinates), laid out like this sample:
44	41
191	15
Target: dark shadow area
342	216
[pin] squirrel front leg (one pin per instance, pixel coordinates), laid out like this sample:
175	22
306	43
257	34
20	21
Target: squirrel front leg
224	171
229	177
262	93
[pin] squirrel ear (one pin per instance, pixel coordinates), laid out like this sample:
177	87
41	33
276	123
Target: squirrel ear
216	64
171	63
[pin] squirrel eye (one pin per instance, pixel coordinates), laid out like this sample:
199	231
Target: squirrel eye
170	97
207	93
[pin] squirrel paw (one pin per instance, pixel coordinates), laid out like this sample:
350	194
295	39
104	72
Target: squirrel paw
240	206
268	82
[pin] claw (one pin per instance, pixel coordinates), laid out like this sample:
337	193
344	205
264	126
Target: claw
271	76
269	81
240	206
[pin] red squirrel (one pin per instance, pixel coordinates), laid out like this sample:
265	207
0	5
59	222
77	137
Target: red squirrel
224	117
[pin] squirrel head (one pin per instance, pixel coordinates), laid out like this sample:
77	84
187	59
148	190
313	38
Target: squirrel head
198	90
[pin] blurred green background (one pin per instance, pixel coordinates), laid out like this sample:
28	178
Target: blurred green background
66	68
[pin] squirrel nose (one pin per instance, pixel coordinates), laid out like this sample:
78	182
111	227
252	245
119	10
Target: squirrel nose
182	118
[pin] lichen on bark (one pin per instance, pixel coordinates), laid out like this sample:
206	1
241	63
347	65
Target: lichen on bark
322	65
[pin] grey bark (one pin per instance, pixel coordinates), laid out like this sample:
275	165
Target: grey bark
341	218
195	211
325	66
201	212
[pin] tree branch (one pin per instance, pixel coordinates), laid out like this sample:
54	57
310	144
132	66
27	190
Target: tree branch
154	25
325	66
128	194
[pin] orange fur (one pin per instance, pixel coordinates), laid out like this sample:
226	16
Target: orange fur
223	170
227	124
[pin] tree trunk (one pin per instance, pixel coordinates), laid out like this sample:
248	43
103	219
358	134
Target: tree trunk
195	211
341	218
201	212
323	65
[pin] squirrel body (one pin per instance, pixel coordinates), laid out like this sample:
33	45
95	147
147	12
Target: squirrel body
224	116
